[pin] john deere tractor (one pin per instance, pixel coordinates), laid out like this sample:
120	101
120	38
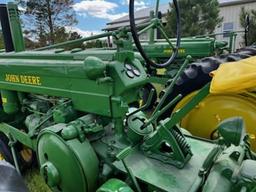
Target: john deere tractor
74	111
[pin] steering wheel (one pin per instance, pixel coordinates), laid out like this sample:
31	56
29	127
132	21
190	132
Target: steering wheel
155	23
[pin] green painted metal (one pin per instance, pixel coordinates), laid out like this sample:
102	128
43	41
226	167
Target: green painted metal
64	113
178	115
232	130
151	33
18	135
17	35
79	158
77	113
170	87
46	77
75	42
196	47
10	101
169	178
114	185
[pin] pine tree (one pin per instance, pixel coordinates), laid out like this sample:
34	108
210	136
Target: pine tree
251	37
45	20
198	17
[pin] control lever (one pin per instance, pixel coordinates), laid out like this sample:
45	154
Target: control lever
149	100
156	115
170	87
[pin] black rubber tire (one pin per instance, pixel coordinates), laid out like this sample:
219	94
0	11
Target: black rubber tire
5	149
197	74
6	152
10	180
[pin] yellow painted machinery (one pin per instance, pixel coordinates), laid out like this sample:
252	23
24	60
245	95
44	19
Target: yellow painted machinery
204	118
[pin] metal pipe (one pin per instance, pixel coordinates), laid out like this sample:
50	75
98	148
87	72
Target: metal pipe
157	7
11	144
151	32
74	42
180	114
170	87
6	30
15	26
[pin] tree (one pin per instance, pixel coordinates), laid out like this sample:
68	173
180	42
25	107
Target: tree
251	37
198	17
45	20
95	44
61	36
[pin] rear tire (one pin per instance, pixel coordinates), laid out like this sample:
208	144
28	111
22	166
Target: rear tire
197	74
6	153
5	149
10	180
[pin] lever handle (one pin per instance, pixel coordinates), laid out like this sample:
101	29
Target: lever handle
150	97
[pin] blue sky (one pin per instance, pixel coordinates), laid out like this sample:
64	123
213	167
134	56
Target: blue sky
93	15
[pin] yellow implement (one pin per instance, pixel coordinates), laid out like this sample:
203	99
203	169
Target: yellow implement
1	157
234	77
232	94
204	118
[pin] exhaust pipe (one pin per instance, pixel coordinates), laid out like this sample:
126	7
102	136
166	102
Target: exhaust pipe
6	30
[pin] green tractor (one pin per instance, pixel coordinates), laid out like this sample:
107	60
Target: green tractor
74	110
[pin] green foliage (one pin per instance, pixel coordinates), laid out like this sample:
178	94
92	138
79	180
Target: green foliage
252	26
95	44
198	17
44	21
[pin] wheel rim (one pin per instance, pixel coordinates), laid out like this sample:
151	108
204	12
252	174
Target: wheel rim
204	118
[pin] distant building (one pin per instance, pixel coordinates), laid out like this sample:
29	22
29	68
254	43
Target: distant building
229	10
141	16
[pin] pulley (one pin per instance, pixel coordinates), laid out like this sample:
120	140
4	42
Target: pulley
64	161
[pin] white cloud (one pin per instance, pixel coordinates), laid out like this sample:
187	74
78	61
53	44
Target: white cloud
98	8
138	4
83	33
22	9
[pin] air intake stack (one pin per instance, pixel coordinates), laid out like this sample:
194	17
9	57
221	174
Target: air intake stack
6	30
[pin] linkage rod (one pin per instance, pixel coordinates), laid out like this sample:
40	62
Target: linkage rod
169	88
74	42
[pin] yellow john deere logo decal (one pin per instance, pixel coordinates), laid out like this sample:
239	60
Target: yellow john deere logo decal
24	79
4	100
168	51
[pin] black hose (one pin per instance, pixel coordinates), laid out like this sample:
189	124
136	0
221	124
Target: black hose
138	44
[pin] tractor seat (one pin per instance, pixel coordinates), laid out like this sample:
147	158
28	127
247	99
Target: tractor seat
10	180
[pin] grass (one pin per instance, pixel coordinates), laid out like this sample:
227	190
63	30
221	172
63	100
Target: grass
35	182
